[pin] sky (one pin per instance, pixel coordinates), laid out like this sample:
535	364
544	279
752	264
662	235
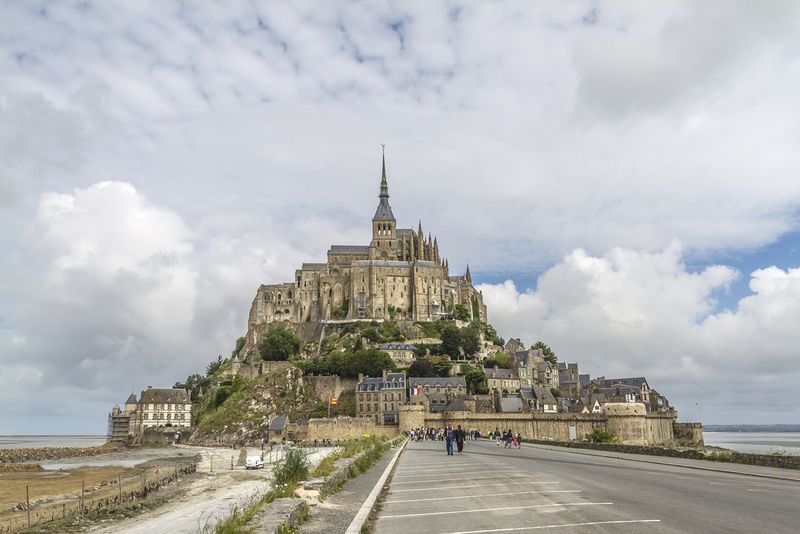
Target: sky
621	177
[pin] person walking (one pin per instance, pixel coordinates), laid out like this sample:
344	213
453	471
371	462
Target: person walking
459	436
449	434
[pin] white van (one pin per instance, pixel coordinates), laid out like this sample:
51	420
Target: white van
253	462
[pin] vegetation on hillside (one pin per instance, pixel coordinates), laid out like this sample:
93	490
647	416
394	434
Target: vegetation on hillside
279	344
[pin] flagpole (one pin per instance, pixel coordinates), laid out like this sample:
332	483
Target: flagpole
329	406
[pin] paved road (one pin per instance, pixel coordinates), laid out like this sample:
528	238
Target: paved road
490	489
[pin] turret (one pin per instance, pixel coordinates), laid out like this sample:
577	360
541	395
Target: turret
468	276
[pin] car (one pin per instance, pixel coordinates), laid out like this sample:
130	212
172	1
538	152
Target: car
254	462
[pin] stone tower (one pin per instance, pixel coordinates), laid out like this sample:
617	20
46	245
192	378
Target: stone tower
384	243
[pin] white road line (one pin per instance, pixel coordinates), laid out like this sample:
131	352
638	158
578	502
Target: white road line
468	479
450	512
565	525
482	495
460	471
477	485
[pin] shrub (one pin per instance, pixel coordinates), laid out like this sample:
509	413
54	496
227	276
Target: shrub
600	435
291	469
279	344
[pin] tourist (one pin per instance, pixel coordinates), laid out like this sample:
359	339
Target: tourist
449	434
459	436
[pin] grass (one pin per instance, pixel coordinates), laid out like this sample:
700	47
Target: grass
348	450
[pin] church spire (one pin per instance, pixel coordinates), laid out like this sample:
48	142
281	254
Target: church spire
384	211
468	276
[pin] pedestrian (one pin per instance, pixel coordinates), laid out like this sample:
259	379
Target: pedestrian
449	434
459	435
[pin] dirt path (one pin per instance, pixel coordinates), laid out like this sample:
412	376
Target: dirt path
207	499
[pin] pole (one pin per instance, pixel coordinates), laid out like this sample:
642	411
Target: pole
212	462
28	505
82	490
119	483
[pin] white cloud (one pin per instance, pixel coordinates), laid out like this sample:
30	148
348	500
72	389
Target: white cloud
636	313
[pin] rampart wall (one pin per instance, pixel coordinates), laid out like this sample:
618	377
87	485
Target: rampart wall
344	428
325	387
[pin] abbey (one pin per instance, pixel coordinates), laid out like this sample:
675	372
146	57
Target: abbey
399	275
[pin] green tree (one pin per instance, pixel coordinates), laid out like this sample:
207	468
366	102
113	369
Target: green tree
451	340
546	352
461	313
476	381
555	392
370	362
502	360
470	341
372	334
442	365
279	344
212	367
422	367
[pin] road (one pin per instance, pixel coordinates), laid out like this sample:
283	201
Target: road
490	489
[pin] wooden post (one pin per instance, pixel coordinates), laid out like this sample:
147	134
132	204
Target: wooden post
231	463
212	463
28	505
82	490
63	511
119	483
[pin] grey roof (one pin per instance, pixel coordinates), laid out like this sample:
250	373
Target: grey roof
585	380
164	396
527	393
131	399
499	373
543	395
511	404
456	405
393	381
405	231
384	211
396	346
278	423
349	249
426	263
313	266
455	381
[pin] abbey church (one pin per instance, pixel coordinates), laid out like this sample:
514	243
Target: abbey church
400	274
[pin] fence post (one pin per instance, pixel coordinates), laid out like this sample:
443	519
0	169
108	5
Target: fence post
119	483
82	490
28	505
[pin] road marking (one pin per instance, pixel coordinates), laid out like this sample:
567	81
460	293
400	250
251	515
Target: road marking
483	495
451	480
479	485
450	512
447	472
565	525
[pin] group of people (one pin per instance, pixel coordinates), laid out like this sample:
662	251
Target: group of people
507	438
455	437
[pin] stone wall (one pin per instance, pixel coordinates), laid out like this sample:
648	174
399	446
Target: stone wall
688	434
629	421
325	387
344	428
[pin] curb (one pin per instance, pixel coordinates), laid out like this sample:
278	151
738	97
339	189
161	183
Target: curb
642	460
363	512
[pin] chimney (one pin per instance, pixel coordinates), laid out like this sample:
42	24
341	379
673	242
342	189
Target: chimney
360	377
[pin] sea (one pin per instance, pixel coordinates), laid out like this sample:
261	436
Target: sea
755	442
21	442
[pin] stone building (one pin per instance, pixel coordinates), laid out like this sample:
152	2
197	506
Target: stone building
156	408
399	274
402	354
379	398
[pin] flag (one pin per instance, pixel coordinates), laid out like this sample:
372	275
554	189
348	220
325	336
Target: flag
334	401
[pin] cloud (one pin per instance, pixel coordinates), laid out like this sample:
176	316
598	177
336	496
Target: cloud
630	313
157	163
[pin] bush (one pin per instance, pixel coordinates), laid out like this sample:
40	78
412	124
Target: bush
279	344
291	469
600	435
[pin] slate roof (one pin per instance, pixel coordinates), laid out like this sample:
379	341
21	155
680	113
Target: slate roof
511	404
349	249
543	395
278	423
504	374
456	405
584	380
384	211
313	266
455	381
405	231
383	263
393	381
164	396
131	399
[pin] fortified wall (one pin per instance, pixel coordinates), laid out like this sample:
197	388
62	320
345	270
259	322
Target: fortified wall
628	421
325	387
344	428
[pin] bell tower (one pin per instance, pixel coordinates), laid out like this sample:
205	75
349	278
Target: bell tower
384	226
